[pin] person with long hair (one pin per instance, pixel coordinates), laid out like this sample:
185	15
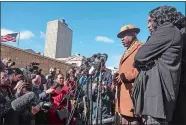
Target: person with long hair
159	63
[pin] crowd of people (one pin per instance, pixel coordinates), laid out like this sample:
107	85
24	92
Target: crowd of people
148	88
54	88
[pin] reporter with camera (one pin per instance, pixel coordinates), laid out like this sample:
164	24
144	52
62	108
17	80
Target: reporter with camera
11	116
30	104
26	113
15	75
5	98
41	116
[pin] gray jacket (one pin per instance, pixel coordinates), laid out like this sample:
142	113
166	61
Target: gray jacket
159	63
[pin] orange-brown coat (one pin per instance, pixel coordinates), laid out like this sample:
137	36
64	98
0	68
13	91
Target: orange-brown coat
126	67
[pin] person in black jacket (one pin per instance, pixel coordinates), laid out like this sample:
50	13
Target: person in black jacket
179	116
159	61
7	115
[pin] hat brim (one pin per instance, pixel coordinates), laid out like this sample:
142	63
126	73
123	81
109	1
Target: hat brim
121	34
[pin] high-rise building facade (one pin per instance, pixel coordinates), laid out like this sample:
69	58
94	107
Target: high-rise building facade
58	42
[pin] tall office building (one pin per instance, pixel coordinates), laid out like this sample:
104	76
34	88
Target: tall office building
58	42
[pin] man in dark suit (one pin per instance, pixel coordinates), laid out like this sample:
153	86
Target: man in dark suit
159	61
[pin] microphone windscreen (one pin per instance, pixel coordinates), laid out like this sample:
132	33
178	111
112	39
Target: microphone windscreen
92	69
24	101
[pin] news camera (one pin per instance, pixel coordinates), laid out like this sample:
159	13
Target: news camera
10	63
30	71
97	60
44	105
33	67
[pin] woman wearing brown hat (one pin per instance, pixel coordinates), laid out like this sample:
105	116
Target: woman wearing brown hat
127	74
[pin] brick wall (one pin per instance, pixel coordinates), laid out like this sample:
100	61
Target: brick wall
23	59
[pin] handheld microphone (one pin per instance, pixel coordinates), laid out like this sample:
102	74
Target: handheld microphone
94	67
24	101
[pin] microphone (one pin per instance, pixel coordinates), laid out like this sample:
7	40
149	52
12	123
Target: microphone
24	101
94	67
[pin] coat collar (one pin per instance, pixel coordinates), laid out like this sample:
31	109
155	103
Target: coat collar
129	51
164	25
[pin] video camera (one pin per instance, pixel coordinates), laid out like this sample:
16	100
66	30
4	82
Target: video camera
33	67
10	63
45	105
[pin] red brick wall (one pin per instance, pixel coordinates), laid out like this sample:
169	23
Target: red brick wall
23	59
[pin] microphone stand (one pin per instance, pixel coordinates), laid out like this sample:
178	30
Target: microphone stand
91	81
88	100
75	104
92	78
99	97
68	98
100	82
